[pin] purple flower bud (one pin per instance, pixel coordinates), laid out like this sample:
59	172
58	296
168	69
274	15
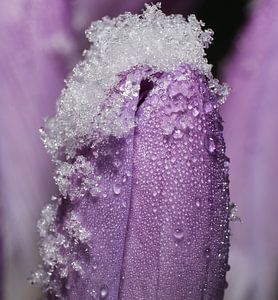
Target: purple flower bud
143	177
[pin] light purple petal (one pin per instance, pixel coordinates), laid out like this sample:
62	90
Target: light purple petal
251	133
34	44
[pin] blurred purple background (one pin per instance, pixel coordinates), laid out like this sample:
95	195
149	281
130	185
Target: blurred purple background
42	40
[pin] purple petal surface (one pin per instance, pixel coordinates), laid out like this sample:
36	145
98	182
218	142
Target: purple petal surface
251	130
34	45
141	168
177	239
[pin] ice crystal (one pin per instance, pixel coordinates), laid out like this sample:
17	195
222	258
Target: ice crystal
153	39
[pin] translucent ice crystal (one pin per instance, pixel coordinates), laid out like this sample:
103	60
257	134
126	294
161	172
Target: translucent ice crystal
153	39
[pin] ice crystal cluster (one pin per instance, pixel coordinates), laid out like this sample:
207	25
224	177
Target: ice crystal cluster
87	109
137	139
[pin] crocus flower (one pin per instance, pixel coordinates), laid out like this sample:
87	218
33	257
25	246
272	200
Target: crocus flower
251	133
39	41
143	204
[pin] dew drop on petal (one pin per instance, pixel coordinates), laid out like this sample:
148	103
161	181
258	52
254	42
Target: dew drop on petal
198	202
103	292
116	188
178	234
210	144
124	178
153	157
207	252
94	266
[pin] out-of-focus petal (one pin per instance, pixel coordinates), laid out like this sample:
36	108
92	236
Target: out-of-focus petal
141	168
251	130
34	45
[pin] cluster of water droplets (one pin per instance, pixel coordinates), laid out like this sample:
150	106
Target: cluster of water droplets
181	180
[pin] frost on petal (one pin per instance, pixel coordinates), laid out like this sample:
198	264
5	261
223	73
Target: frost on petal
137	139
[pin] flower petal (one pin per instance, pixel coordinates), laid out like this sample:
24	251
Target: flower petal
251	128
34	45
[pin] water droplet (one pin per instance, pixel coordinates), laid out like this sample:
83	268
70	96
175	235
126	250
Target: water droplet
198	202
124	178
103	292
116	188
226	164
173	159
178	234
67	286
153	157
210	144
94	266
207	252
178	134
93	293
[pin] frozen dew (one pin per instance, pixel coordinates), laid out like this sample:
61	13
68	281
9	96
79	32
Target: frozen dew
178	134
210	144
195	112
233	211
171	42
75	229
208	107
